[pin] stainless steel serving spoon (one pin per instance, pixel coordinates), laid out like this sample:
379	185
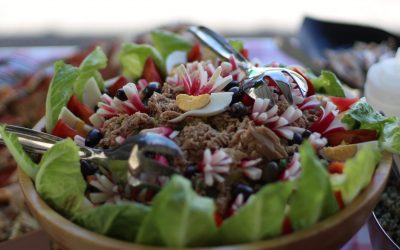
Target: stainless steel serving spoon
134	151
257	77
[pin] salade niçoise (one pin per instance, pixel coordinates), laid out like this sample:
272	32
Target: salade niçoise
252	169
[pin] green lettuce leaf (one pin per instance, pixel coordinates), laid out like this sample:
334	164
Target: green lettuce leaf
60	91
328	83
237	44
179	217
357	173
133	57
89	68
362	116
261	217
313	199
21	157
121	221
167	42
59	181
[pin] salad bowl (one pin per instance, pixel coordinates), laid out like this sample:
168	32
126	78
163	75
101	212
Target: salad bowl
331	233
257	169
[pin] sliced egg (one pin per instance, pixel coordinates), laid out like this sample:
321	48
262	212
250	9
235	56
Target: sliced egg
219	102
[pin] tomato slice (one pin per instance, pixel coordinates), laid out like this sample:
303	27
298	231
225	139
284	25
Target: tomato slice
150	72
339	199
351	136
119	83
286	226
195	53
336	167
245	53
343	103
79	109
218	219
63	130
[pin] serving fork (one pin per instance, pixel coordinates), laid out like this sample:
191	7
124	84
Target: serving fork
135	152
258	78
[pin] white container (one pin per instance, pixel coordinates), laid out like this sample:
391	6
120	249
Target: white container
382	88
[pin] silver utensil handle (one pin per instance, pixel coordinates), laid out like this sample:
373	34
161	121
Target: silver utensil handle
216	43
39	142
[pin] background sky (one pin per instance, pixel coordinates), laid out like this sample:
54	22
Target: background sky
22	17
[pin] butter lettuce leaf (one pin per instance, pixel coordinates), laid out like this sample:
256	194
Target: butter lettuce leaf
121	221
133	57
357	173
89	68
21	157
59	180
261	217
167	42
60	91
313	199
179	217
328	83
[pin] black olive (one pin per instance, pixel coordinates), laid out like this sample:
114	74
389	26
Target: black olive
87	168
190	170
238	109
151	88
244	189
93	138
297	139
233	83
237	94
121	95
306	133
270	172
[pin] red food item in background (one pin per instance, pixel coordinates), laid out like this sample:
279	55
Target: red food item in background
63	130
195	53
336	167
343	103
119	83
218	219
351	136
339	199
310	86
79	109
5	175
286	226
150	72
245	53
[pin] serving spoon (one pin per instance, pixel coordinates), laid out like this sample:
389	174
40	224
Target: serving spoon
257	77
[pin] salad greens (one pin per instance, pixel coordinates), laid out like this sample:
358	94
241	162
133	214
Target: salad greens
362	116
260	218
313	198
179	217
121	221
357	173
133	57
60	91
328	83
89	68
23	160
167	42
237	44
59	180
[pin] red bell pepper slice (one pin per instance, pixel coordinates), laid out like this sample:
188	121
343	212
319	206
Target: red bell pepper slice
343	103
351	136
150	72
339	199
79	109
119	83
286	226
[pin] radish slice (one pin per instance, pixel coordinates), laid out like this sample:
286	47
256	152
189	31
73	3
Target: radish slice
175	58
